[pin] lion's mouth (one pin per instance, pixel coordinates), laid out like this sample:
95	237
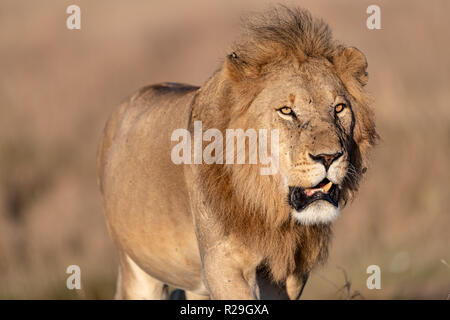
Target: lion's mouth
300	198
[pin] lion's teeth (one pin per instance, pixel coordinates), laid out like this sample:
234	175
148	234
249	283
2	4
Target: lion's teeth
327	187
309	192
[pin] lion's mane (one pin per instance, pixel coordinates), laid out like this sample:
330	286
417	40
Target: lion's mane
246	204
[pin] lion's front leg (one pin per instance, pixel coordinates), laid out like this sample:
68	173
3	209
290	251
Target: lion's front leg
229	274
295	285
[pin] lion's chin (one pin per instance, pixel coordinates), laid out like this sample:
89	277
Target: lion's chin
318	212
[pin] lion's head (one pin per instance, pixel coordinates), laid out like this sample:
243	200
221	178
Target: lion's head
287	73
316	116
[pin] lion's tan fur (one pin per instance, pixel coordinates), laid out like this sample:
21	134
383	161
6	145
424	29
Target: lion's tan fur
238	202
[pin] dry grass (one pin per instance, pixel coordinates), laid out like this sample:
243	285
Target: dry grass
58	86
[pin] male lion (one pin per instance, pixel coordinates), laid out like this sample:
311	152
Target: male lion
226	231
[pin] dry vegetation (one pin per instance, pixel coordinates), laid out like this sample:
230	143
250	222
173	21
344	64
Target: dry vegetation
58	86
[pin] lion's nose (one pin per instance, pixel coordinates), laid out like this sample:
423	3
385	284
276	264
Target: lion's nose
326	159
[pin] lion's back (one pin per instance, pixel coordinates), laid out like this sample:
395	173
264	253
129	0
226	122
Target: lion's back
145	99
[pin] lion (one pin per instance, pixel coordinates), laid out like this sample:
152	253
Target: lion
226	231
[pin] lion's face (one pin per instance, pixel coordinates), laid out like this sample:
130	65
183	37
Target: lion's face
313	112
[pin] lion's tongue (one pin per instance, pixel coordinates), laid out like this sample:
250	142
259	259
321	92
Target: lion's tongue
324	189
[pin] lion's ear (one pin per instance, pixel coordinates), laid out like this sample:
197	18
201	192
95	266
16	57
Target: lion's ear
350	62
237	69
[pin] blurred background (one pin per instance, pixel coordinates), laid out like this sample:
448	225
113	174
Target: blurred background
58	86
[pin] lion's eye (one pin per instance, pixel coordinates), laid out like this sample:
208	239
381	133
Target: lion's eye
287	111
339	107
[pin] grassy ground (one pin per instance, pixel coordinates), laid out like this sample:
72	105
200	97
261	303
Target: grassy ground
58	86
